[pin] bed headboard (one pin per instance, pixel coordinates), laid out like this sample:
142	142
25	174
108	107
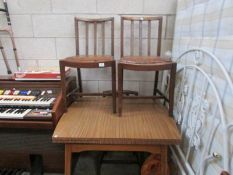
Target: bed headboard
204	114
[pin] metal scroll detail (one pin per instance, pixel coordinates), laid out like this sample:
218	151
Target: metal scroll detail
197	114
200	114
180	96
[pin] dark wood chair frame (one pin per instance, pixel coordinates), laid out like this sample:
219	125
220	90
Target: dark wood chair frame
153	66
97	61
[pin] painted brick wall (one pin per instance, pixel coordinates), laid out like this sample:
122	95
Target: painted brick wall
44	33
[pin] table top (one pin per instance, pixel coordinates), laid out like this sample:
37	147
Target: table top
91	121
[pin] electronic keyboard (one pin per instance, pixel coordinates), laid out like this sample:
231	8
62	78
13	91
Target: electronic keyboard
32	104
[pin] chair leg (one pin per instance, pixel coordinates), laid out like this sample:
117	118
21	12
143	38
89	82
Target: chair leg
114	86
75	161
98	163
120	88
36	161
79	80
63	84
156	82
172	88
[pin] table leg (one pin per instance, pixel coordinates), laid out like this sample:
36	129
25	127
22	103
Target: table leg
164	167
68	157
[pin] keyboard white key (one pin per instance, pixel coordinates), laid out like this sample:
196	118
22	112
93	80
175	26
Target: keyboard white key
17	97
43	102
13	113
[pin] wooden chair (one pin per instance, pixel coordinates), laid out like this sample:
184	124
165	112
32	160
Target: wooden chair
91	61
145	62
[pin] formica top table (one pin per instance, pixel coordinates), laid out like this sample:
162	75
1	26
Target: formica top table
90	125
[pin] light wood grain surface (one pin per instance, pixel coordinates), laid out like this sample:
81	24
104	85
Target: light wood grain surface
91	121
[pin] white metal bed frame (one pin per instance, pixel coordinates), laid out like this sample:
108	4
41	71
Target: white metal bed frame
192	108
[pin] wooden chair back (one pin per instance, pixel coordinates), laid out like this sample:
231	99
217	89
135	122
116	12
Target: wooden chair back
141	21
102	22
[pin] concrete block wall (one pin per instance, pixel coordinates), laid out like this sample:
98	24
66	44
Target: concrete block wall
44	33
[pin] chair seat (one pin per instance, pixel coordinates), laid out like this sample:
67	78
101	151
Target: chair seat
145	60
89	59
